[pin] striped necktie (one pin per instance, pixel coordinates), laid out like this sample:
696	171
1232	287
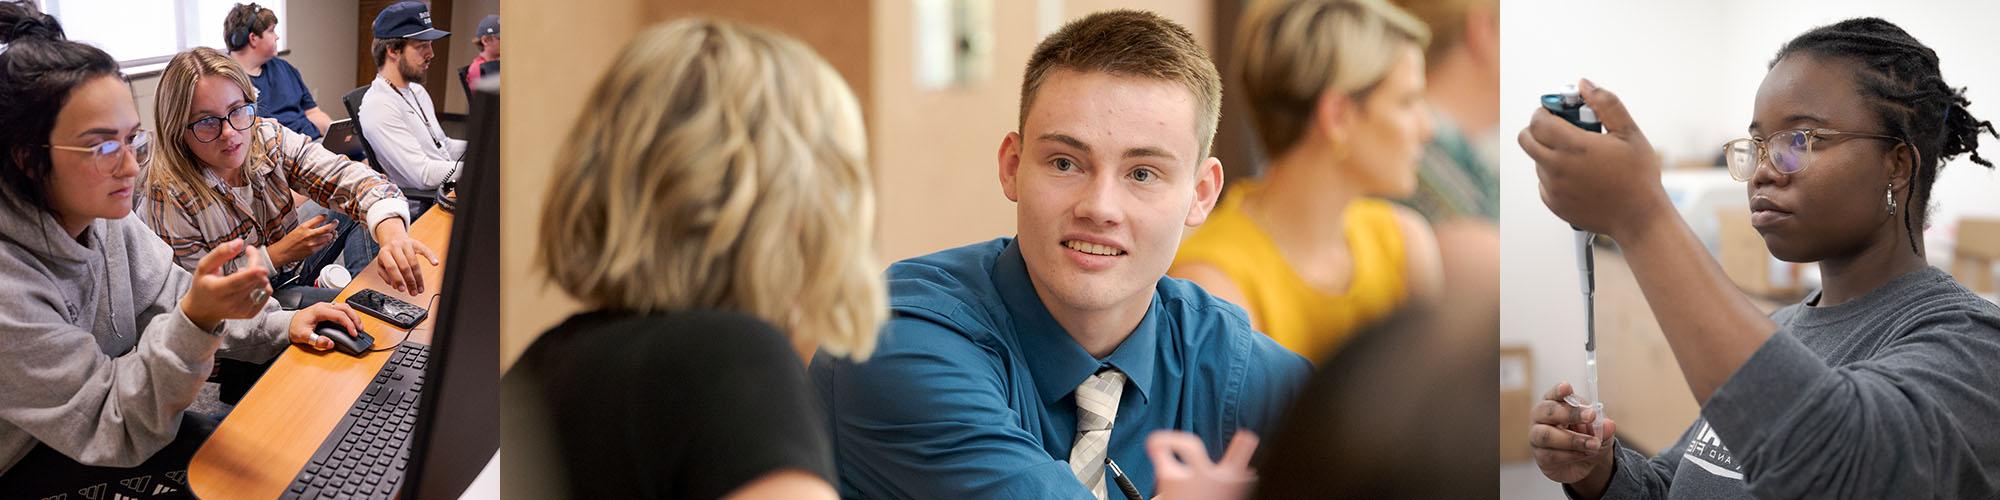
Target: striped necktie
1096	408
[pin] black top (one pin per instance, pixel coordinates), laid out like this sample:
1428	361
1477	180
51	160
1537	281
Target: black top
669	405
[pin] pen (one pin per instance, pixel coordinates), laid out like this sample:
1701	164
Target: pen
1124	483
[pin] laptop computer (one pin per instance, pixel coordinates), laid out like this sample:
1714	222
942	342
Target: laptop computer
342	137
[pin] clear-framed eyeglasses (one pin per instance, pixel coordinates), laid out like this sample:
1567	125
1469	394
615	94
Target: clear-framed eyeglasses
106	156
1788	151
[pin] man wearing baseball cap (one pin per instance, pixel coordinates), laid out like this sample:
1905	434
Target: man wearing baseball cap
487	64
397	116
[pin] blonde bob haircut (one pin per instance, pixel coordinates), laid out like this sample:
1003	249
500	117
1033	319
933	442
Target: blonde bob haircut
1293	51
719	166
175	167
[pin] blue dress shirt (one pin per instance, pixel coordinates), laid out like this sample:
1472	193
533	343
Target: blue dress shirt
969	393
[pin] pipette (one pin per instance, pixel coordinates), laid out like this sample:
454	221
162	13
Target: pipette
1569	105
1586	268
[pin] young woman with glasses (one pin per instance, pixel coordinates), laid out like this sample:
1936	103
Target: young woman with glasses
1881	385
104	343
224	174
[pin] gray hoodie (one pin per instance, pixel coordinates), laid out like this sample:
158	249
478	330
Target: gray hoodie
96	359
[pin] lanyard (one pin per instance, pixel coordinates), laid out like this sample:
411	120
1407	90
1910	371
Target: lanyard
408	101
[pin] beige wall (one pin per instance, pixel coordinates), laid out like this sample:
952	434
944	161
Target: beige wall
540	97
321	47
933	150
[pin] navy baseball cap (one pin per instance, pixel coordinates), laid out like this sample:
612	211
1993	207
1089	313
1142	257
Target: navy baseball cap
489	26
410	20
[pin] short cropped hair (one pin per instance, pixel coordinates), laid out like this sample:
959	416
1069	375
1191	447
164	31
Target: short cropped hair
1291	52
1131	43
719	166
382	47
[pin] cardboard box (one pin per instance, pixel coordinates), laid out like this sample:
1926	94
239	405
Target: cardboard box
1748	263
1640	380
1638	377
1517	395
1978	246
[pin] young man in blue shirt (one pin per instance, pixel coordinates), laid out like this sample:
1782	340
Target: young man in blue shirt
1014	368
251	34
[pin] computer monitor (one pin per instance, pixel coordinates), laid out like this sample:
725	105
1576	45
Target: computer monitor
459	427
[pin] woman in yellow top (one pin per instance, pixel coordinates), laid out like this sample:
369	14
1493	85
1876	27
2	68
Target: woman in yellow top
1311	250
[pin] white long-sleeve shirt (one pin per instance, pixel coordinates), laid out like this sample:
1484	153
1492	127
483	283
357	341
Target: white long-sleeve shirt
402	127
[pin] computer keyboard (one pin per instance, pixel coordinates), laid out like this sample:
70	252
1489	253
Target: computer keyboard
366	454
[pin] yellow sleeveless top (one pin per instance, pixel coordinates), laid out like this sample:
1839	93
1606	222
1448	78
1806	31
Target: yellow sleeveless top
1304	318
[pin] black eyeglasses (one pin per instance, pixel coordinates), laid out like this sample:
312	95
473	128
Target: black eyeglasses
107	156
240	118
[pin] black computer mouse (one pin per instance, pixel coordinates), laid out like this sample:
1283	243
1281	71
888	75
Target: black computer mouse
354	345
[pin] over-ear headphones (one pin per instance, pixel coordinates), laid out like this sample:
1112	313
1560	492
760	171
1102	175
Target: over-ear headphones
239	37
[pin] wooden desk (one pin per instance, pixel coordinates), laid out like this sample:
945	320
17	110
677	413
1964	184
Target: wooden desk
1978	246
259	449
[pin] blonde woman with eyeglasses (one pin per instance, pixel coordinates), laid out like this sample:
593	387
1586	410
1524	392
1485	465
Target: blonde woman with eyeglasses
104	342
713	210
224	174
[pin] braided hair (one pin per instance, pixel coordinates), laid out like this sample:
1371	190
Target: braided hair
1900	78
39	68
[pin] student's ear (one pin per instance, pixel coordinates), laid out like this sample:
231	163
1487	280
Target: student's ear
1482	34
1207	189
1331	112
1010	165
1902	159
21	158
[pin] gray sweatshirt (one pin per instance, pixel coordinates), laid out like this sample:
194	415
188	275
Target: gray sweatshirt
96	359
1895	394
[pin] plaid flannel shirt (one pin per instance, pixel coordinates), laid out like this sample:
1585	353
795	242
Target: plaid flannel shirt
292	162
